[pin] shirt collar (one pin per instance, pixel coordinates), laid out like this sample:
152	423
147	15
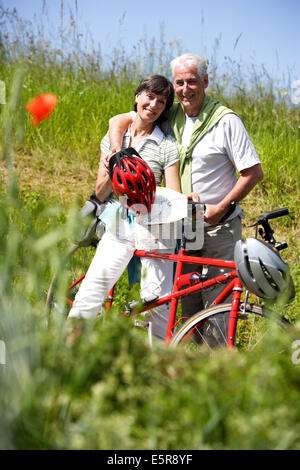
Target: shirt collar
157	135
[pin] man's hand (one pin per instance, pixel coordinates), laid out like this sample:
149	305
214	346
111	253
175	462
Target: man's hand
117	128
213	214
248	179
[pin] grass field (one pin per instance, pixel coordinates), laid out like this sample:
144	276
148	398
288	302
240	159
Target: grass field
107	389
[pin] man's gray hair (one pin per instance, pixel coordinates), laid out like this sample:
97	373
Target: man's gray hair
191	60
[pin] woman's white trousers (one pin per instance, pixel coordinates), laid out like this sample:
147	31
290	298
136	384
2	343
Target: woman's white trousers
111	259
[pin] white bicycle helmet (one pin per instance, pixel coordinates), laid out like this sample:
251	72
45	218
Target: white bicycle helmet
261	270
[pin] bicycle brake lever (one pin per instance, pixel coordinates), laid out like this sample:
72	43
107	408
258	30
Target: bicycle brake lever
225	217
194	204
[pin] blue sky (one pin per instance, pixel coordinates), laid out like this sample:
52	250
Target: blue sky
268	31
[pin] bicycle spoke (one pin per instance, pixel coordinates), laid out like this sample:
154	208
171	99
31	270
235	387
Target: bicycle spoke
207	330
211	334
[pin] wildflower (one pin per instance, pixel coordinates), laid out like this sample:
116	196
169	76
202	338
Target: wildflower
41	107
160	67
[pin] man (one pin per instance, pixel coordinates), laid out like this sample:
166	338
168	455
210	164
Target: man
213	144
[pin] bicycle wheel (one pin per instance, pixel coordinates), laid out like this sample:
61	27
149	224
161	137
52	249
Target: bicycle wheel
207	330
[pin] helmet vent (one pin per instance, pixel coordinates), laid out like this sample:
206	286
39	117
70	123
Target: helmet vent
119	178
267	275
130	185
249	267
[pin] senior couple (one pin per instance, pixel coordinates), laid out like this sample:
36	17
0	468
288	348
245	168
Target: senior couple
198	146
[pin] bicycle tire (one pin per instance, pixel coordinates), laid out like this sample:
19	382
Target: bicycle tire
202	331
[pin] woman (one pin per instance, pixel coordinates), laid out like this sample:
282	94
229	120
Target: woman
153	97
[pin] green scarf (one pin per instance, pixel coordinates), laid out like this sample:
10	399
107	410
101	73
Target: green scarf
211	112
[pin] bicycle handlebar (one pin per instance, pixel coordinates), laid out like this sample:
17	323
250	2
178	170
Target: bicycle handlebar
266	232
273	214
225	217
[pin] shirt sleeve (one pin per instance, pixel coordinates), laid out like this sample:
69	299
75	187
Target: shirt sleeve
170	152
238	144
105	145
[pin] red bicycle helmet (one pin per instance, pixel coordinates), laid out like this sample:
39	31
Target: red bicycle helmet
132	180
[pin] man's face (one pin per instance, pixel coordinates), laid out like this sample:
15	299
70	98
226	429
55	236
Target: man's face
189	88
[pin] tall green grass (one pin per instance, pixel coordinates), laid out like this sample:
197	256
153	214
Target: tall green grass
105	388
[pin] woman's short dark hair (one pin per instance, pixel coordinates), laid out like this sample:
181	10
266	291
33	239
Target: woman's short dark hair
159	85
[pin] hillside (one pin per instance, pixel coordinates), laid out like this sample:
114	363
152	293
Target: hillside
106	389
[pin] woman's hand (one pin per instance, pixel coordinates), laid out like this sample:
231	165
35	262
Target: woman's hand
194	197
104	162
103	184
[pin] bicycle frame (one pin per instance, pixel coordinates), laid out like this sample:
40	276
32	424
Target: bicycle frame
234	285
230	278
195	283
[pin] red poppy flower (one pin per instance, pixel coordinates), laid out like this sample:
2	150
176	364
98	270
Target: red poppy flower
41	107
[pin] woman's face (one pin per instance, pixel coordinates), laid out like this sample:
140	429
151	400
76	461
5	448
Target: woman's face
150	105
